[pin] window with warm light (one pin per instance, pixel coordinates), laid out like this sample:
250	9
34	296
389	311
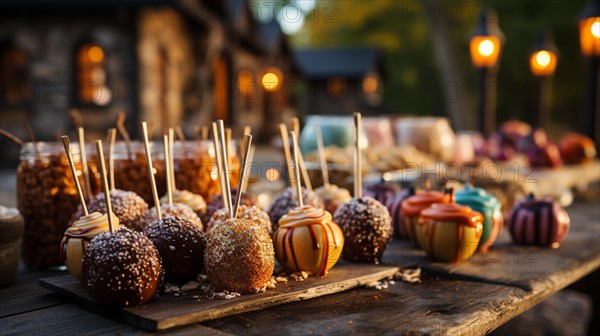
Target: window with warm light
543	62
589	36
91	75
246	85
14	75
485	51
372	89
370	85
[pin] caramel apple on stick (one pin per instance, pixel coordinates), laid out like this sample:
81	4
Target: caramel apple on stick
365	222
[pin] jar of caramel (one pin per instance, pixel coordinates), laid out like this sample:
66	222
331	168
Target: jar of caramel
131	168
47	198
196	169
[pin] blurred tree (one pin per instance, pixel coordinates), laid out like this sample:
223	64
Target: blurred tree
427	58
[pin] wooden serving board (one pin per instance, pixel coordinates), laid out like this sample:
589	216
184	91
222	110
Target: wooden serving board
170	311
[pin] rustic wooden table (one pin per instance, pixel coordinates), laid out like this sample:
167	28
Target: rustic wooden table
473	297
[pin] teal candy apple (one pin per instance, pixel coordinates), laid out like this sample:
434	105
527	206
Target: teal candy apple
488	205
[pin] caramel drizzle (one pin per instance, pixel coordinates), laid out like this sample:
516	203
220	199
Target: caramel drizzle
413	205
289	238
463	216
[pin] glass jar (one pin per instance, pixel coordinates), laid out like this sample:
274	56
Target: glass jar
47	198
131	169
195	167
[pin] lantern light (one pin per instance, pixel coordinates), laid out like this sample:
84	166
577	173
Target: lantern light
589	40
589	29
485	46
544	57
486	41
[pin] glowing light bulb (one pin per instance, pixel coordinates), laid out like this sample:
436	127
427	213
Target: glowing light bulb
595	29
542	58
486	47
270	81
95	54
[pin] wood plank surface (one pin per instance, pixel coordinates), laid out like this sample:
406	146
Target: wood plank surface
471	298
170	311
69	319
438	306
528	267
26	295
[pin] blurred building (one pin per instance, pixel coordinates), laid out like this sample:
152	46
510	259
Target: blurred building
168	62
342	80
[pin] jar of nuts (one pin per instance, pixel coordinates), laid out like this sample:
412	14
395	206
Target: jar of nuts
196	170
131	169
47	198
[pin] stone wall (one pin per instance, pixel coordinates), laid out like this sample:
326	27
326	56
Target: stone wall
51	40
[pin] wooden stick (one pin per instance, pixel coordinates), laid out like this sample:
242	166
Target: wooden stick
32	137
285	142
151	170
297	169
124	133
12	137
243	173
250	156
111	157
66	143
168	168
295	125
322	156
29	132
171	158
247	131
358	170
225	165
219	159
86	169
100	152
180	134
